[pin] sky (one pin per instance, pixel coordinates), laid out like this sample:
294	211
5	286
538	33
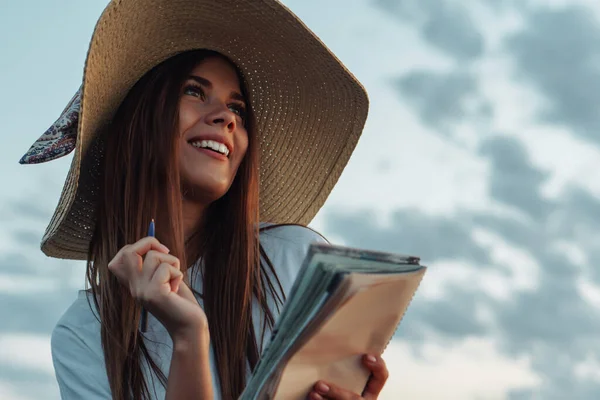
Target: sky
480	155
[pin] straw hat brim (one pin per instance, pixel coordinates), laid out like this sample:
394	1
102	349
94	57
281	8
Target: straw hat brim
310	110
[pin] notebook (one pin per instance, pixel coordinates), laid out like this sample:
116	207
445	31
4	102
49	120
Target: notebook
344	303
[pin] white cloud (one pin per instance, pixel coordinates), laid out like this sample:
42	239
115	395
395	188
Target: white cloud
26	285
471	369
523	267
444	275
27	351
589	291
9	392
589	368
572	251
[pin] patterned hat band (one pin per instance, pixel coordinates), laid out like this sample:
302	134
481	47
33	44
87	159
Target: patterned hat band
59	140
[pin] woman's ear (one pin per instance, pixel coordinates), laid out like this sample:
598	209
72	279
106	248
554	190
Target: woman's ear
59	140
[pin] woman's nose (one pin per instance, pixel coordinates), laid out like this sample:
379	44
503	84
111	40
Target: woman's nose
222	115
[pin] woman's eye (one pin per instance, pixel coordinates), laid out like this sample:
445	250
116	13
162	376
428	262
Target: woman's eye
193	90
239	110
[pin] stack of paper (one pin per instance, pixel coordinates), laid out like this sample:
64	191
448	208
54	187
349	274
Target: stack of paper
344	303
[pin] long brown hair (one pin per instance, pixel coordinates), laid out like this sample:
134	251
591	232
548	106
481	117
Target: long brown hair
139	180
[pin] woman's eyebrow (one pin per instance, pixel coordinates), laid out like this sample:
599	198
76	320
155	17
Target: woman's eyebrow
237	96
201	80
205	82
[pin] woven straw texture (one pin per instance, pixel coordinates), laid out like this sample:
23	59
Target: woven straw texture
310	110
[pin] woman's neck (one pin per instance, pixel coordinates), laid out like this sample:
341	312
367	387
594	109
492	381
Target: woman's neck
192	216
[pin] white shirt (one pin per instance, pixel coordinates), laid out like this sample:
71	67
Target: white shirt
76	348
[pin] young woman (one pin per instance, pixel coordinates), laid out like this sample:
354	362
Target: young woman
187	108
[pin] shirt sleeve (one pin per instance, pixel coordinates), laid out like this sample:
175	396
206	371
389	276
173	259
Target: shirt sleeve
79	368
286	247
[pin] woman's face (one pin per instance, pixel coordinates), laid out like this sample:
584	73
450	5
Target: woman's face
213	138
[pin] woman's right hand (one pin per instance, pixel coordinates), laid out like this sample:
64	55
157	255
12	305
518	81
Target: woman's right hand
154	278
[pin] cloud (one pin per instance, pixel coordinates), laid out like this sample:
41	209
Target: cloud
33	297
581	207
25	383
514	180
33	312
412	232
442	98
488	376
453	320
15	263
544	320
446	25
28	237
558	52
29	207
26	366
559	330
34	293
577	220
433	239
504	5
551	323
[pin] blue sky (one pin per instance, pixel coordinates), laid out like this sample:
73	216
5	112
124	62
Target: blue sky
480	155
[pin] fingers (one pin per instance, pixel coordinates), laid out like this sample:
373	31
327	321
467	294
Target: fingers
379	375
146	244
145	282
133	270
324	390
131	256
152	261
165	280
134	252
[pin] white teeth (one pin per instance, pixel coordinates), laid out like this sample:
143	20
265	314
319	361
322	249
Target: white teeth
211	144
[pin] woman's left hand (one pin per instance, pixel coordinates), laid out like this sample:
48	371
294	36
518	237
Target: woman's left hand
379	374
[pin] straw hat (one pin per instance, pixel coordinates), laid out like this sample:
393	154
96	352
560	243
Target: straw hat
310	110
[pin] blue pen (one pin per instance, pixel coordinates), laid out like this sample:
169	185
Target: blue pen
144	312
151	228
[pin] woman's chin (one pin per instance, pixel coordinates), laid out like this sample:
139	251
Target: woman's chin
205	191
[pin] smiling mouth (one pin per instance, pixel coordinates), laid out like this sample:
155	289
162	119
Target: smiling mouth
211	145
